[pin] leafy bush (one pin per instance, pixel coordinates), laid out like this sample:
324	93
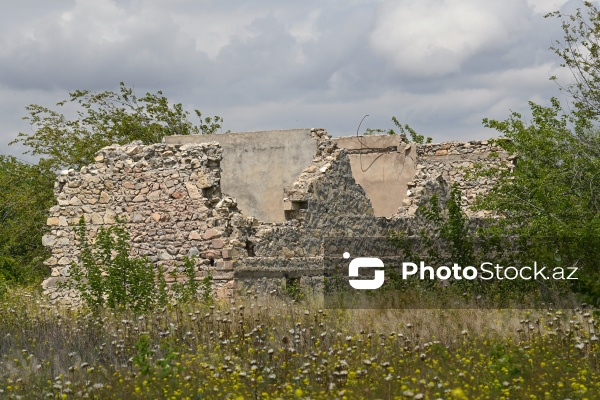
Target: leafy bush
448	236
553	190
107	275
25	197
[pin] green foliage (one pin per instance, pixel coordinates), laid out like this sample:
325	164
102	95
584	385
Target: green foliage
555	185
293	289
403	130
3	286
107	276
456	230
102	119
143	354
448	226
554	189
206	289
188	289
25	196
449	237
445	237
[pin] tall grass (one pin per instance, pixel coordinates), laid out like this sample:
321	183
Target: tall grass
272	347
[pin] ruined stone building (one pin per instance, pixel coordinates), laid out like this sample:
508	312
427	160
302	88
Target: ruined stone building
254	207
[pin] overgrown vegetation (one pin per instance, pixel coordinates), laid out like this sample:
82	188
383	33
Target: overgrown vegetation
108	276
403	130
98	119
554	190
268	348
25	198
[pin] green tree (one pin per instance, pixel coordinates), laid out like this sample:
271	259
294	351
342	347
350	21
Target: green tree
25	197
102	119
26	191
554	189
553	192
555	185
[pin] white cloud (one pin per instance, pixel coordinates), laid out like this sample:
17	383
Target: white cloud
435	37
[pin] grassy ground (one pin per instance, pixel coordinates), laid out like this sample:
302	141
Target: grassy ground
275	348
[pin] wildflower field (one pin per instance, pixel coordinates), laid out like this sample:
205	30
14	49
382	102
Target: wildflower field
263	348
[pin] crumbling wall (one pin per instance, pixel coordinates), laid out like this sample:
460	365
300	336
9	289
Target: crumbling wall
383	165
452	162
256	166
172	199
324	201
169	196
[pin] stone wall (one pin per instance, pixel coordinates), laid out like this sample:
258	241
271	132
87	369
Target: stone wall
169	195
451	163
172	198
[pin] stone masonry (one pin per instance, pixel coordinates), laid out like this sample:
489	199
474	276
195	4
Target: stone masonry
172	199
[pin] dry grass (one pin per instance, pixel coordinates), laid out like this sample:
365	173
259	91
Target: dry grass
275	348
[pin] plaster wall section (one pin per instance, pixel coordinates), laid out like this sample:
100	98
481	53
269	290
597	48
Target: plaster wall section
257	166
383	165
324	201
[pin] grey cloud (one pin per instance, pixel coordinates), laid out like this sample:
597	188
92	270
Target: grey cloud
274	64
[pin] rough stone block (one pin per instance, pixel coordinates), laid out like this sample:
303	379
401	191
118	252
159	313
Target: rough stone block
211	234
154	196
194	235
369	142
104	198
211	254
204	182
52	221
48	240
223	275
193	191
110	217
224	265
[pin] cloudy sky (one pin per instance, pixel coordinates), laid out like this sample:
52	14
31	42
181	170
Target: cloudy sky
438	65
